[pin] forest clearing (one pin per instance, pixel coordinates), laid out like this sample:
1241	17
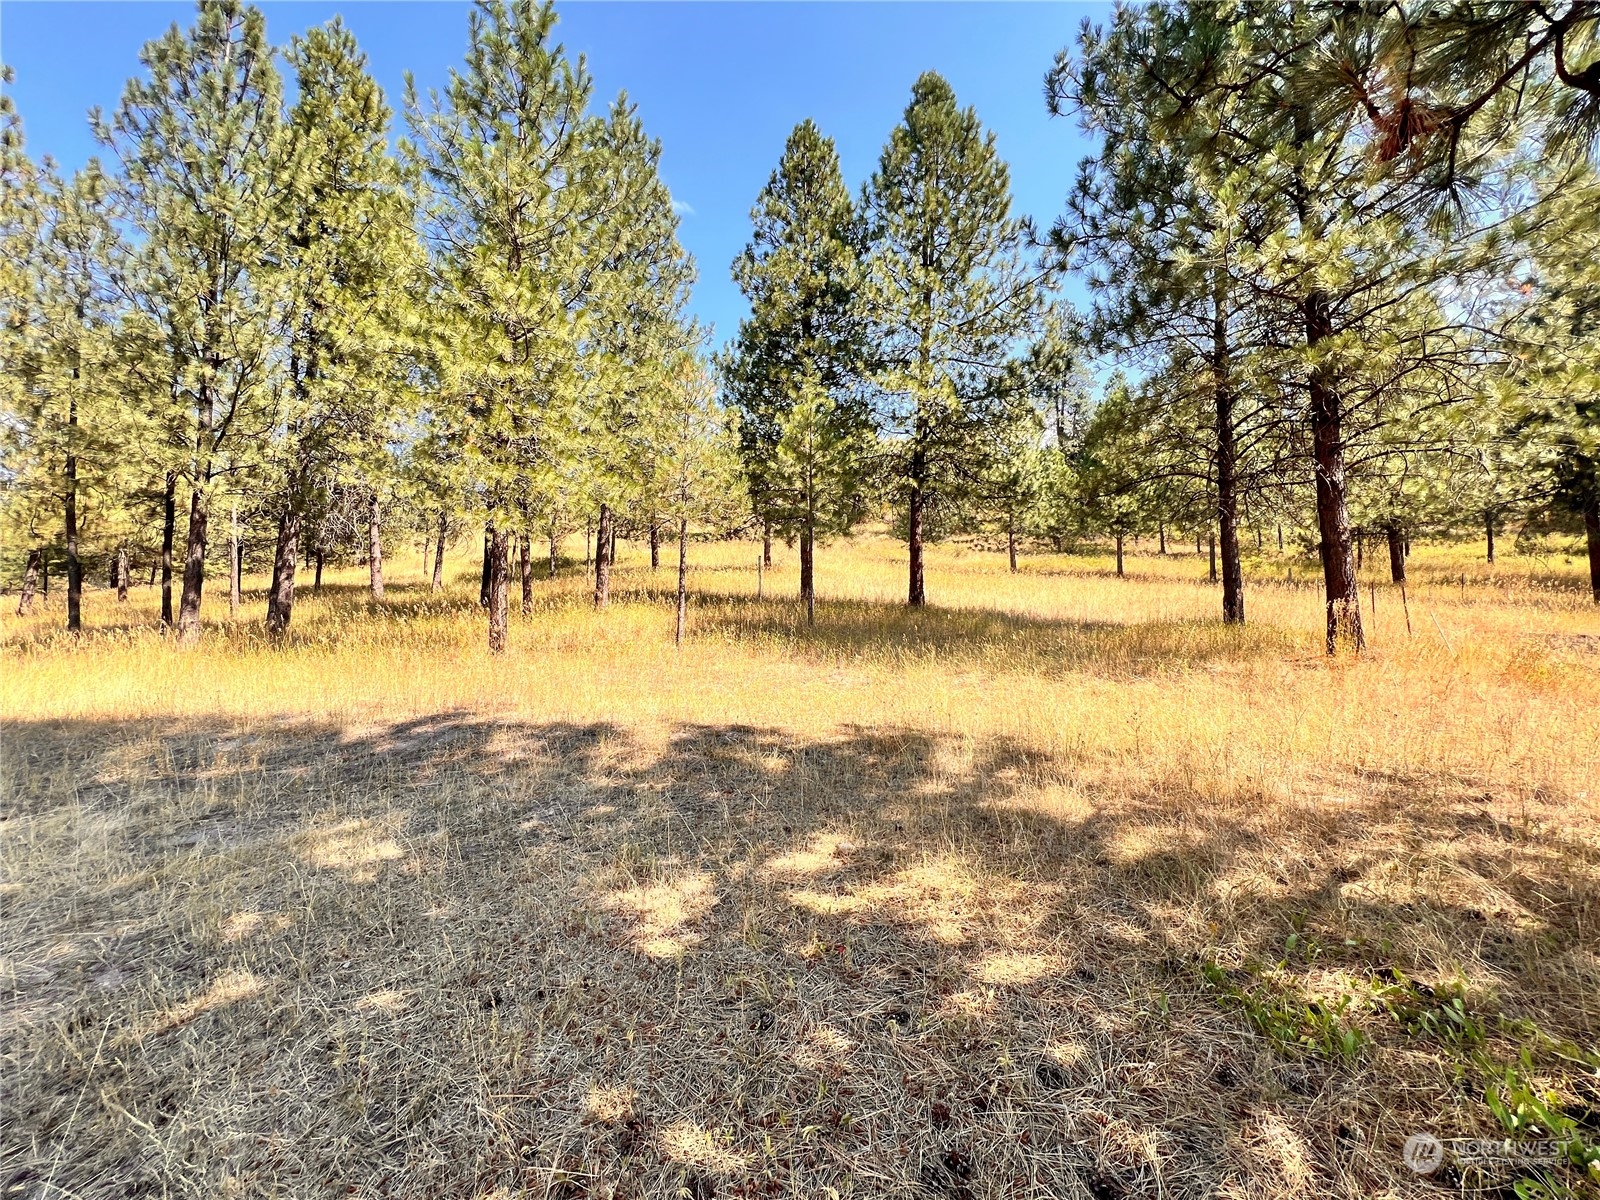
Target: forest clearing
1055	887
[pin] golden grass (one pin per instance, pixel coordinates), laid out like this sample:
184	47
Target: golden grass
1057	888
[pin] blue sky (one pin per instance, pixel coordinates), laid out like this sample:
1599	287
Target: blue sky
721	84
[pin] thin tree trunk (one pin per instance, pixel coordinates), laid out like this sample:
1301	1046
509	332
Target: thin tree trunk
155	568
74	566
375	548
194	559
169	524
438	553
602	559
916	592
1119	556
499	600
122	574
285	562
316	579
1211	547
235	563
683	580
766	543
1333	518
552	552
30	583
1227	466
1011	542
488	551
526	566
1591	526
1397	554
44	575
1161	533
1280	539
808	563
588	534
1488	531
1197	543
655	545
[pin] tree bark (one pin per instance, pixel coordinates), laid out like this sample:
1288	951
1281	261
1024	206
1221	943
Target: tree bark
235	563
1011	543
488	551
808	580
1591	526
1280	539
1397	553
552	552
766	543
499	542
74	566
1227	466
169	522
526	567
683	580
1333	517
285	560
1488	531
1211	549
316	579
122	574
438	554
30	583
375	548
602	559
1119	556
916	591
1161	533
194	558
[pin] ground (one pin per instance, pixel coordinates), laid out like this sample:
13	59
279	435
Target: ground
1057	888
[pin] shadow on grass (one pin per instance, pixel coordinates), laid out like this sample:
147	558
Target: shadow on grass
450	955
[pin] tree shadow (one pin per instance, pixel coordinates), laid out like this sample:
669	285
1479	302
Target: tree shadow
452	954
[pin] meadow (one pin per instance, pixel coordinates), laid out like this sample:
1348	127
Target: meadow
1056	888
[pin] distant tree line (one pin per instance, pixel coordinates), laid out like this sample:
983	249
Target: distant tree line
1342	259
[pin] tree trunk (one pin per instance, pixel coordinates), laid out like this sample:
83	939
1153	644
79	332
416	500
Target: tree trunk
655	545
169	523
1211	548
499	543
438	554
1011	543
1488	531
1119	556
1333	518
488	551
194	559
602	559
235	563
1227	467
1280	539
808	582
285	562
1161	533
1591	526
375	548
155	569
526	566
916	592
588	533
122	574
766	543
1397	553
552	552
683	580
74	566
316	579
30	583
1197	550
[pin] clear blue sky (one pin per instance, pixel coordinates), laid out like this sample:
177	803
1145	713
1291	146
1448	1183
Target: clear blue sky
721	84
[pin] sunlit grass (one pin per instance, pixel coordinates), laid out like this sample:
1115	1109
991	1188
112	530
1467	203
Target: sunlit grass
853	907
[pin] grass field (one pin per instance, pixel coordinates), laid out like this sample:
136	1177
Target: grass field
1055	889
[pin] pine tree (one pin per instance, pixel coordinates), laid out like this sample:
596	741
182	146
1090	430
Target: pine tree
948	296
795	373
345	272
197	142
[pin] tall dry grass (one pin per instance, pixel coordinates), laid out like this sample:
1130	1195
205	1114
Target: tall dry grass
1057	887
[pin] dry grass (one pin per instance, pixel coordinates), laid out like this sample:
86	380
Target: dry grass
1056	889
